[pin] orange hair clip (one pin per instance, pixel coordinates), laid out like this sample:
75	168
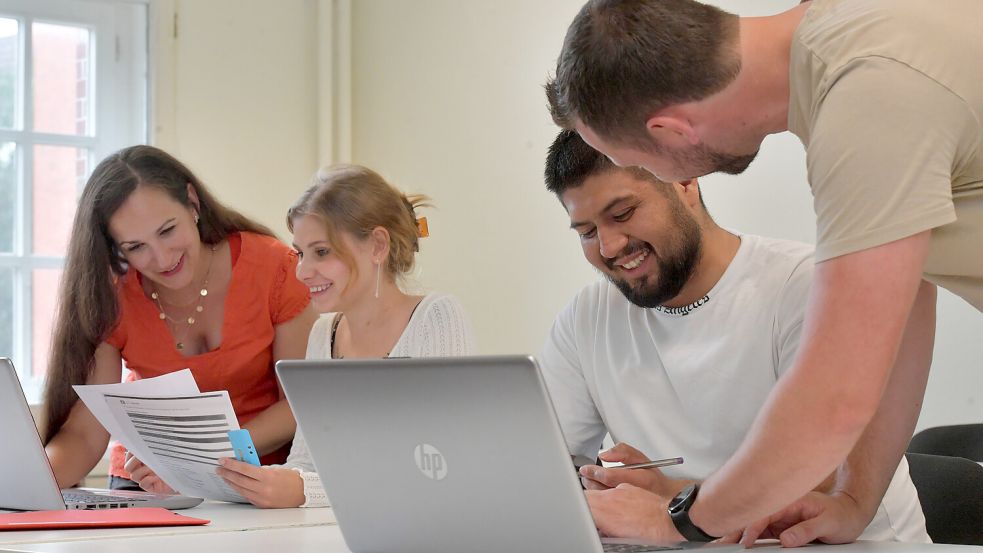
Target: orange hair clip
422	230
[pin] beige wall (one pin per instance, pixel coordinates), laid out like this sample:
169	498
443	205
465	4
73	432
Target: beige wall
446	99
235	97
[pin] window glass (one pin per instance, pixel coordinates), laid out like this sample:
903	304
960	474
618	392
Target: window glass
8	195
62	81
59	174
7	311
9	56
44	293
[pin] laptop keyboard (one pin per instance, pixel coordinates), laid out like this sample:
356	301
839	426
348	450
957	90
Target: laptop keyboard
631	548
88	497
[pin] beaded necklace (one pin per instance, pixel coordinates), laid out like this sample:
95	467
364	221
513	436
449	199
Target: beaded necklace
198	303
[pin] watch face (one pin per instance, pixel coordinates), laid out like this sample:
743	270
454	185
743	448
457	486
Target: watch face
679	501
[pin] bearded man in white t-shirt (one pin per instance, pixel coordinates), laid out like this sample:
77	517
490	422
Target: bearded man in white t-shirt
677	349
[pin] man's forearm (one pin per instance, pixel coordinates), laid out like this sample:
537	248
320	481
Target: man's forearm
674	486
776	465
871	465
857	315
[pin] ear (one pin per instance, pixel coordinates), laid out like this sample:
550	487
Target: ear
672	126
193	198
689	193
379	239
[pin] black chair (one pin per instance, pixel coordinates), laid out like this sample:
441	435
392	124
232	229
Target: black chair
963	440
951	493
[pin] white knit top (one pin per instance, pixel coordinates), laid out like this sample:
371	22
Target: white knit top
437	328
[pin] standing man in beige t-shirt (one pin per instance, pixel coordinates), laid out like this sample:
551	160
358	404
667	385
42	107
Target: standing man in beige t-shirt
887	97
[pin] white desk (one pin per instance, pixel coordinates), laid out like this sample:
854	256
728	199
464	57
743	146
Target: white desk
245	529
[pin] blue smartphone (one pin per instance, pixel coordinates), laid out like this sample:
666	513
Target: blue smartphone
242	447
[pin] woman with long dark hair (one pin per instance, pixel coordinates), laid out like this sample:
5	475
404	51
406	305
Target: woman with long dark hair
162	276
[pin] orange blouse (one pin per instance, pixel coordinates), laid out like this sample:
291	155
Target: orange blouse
262	267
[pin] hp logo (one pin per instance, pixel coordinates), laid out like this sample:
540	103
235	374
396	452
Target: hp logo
430	462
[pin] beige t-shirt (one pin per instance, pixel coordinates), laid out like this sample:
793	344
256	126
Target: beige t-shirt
887	96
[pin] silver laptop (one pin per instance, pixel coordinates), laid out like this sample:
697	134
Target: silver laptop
443	455
26	480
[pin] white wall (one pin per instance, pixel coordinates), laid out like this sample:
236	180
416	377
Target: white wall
235	98
448	101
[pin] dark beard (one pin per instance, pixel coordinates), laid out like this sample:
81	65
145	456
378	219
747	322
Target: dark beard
674	273
676	265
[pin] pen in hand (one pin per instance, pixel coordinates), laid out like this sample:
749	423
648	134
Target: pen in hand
652	464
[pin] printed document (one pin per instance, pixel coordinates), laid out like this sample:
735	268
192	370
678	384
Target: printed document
172	428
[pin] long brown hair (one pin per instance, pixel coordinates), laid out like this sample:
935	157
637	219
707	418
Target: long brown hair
356	200
88	306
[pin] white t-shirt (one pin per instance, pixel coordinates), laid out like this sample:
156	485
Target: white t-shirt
689	381
437	328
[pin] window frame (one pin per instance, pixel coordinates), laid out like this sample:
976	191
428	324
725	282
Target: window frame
119	114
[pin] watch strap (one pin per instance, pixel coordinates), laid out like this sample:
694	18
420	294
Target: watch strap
679	513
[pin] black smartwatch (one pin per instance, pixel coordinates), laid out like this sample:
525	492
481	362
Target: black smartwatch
679	513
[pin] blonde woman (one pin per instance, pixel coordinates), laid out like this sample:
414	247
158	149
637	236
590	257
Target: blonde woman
357	237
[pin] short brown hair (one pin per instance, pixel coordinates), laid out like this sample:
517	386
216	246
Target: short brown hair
624	60
356	200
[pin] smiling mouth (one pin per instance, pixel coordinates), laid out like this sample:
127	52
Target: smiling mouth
632	260
173	268
319	288
634	263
